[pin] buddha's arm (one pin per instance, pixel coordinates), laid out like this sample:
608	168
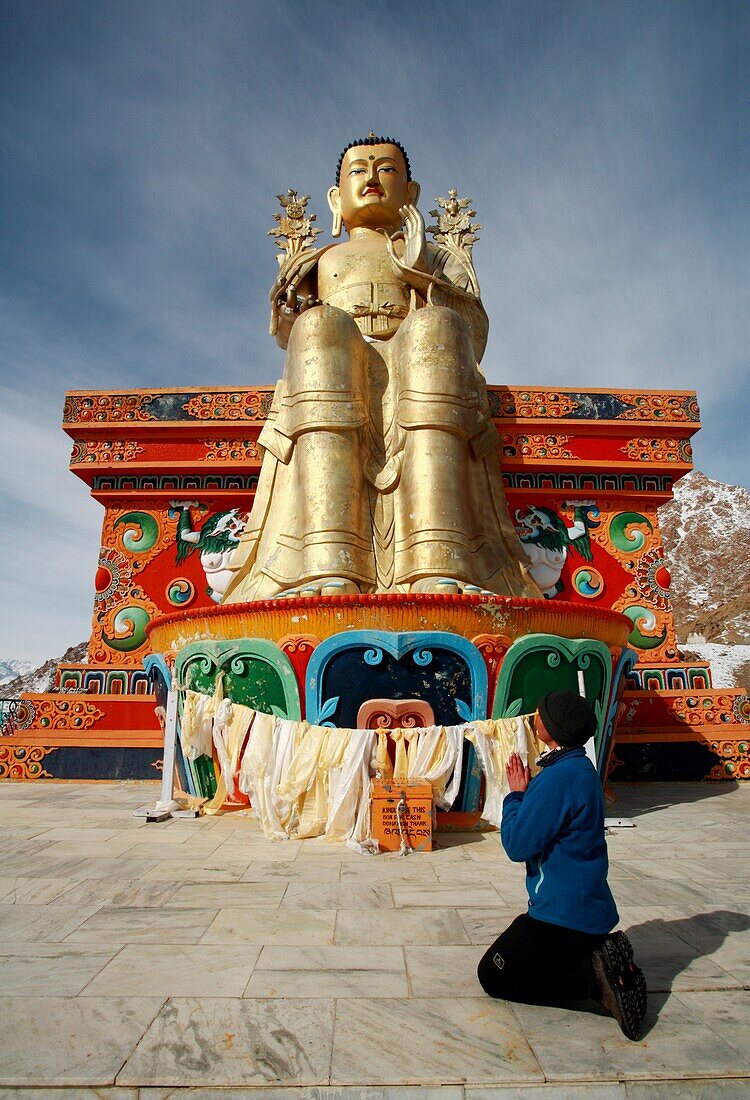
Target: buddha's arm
290	305
450	281
294	291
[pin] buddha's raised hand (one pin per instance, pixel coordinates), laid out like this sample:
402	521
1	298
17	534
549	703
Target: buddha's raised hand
414	238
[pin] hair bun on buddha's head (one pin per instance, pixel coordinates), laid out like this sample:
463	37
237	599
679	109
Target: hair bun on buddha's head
372	139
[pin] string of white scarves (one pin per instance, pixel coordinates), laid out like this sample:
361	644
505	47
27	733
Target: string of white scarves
304	780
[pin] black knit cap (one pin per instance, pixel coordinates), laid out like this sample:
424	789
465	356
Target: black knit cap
567	717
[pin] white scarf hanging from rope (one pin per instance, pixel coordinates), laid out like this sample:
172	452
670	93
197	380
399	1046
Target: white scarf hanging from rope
307	781
196	725
496	739
349	814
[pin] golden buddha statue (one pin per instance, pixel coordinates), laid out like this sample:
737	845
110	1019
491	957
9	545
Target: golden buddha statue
380	469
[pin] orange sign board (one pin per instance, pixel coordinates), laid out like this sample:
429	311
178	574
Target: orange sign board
409	803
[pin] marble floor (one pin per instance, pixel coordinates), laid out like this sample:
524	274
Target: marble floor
142	960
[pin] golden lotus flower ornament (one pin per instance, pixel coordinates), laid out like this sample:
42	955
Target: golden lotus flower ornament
295	229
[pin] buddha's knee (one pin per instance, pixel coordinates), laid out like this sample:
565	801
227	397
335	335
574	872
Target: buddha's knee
322	326
439	323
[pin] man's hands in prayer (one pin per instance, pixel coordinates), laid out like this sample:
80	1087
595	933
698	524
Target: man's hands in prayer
519	777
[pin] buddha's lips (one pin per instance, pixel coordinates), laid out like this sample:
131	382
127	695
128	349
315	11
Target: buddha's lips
372	191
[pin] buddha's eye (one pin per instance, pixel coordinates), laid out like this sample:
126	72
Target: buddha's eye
356	171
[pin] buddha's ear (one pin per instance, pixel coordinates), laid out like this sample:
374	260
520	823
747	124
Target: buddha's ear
334	201
414	190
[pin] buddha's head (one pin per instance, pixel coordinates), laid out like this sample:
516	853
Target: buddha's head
373	182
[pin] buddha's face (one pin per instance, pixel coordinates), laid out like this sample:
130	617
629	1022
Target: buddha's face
372	188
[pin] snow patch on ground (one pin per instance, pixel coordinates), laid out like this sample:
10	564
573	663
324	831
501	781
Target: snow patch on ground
726	662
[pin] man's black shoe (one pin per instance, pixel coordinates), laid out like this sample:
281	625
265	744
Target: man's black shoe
622	985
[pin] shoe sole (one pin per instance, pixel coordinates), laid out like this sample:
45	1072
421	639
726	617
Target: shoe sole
621	982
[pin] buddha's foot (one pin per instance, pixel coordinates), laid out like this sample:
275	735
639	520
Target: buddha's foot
448	586
323	586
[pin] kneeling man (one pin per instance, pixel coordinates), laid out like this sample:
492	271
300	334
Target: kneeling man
562	949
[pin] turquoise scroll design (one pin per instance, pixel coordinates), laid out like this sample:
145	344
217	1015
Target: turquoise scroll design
540	663
255	674
419	645
623	669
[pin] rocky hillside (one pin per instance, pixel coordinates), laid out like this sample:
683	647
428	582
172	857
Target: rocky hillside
39	679
706	532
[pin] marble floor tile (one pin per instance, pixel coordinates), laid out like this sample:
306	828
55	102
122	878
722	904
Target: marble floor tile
238	846
458	840
570	1044
188	870
48	923
662	892
339	972
171	832
488	852
83	867
471	873
581	1090
294	927
705	1089
399	926
70	1040
440	1041
195	847
121	925
719	937
444	895
670	963
229	895
33	891
82	835
117	892
62	1092
13	865
234	1042
158	970
321	847
27	849
388	868
151	854
50	969
302	895
483	926
443	971
728	1014
445	852
261	870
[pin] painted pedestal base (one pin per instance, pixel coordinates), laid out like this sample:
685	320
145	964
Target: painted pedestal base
394	660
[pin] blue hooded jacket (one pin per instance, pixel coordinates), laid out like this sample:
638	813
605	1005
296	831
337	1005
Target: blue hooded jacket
557	828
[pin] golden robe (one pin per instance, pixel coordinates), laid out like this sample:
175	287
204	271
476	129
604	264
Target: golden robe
380	458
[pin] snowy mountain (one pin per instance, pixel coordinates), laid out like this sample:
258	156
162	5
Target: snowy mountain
9	670
41	678
706	533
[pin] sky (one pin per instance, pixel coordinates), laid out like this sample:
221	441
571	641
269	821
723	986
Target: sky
605	145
